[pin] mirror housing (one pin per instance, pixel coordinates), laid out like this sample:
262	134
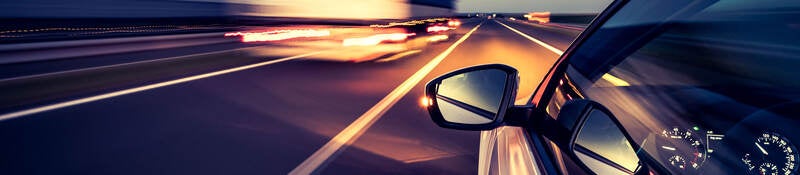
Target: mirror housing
473	98
593	137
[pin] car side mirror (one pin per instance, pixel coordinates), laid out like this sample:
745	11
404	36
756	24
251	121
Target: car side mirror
474	98
597	140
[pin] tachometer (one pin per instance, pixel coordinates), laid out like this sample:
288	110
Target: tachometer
681	148
771	154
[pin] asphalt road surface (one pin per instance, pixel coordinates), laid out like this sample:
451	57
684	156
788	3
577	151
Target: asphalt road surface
252	111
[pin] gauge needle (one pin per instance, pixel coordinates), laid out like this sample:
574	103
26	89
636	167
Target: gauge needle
762	149
668	148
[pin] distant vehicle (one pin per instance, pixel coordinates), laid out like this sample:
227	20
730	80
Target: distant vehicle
650	87
423	27
538	17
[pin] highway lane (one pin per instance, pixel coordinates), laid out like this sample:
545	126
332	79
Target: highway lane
42	82
261	120
58	65
28	59
269	119
405	141
559	37
36	90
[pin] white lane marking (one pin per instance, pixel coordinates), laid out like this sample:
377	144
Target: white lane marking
143	88
123	64
537	41
355	129
399	55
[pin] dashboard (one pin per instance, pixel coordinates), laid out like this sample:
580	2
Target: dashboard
763	143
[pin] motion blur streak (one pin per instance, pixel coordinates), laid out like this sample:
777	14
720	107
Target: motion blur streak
433	29
340	9
279	35
144	88
354	9
438	38
540	17
375	39
355	129
454	23
614	80
537	41
409	23
399	55
520	153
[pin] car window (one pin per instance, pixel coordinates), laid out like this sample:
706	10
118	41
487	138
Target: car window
705	87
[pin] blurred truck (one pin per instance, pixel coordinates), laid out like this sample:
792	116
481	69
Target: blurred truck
538	17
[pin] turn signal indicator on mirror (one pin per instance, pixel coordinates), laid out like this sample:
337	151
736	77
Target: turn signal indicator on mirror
425	101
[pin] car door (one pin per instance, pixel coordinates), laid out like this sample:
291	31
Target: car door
702	86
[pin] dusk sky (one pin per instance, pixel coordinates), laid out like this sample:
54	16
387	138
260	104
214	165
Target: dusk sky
555	6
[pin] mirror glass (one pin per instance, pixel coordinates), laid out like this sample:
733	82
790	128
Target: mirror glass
472	97
602	146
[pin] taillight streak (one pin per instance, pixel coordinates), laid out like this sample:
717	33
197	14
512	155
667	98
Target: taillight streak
278	35
376	39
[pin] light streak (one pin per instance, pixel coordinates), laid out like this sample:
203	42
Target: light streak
438	38
278	35
614	80
376	39
434	29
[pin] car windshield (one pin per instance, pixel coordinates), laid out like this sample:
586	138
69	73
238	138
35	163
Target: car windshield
705	87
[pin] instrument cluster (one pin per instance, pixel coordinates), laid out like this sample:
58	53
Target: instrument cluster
686	150
689	150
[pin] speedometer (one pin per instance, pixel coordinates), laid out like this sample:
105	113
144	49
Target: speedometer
771	154
682	149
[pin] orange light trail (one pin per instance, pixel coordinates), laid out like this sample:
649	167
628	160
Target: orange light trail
438	38
454	23
541	17
376	39
409	23
279	35
433	29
